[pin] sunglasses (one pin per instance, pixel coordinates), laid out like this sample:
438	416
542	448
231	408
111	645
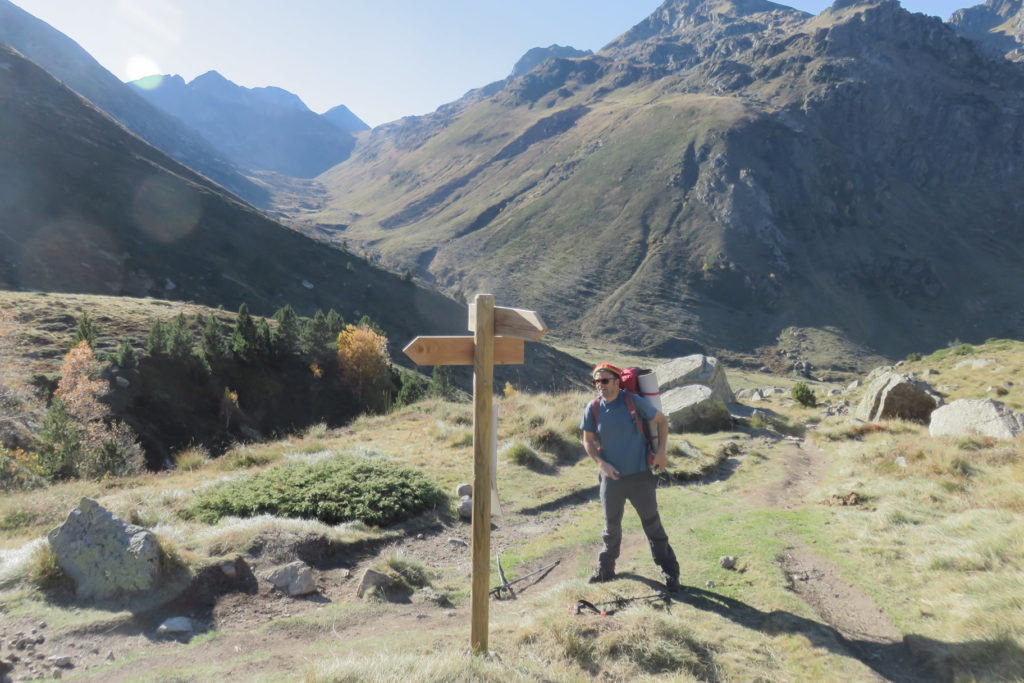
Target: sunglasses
603	380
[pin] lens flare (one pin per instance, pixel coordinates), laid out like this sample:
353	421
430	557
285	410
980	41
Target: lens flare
143	69
166	208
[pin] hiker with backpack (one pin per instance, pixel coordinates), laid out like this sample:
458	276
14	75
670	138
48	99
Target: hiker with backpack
625	459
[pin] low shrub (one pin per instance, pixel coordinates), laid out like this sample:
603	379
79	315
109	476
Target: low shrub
333	492
803	395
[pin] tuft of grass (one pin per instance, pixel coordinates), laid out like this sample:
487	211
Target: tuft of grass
44	573
246	457
192	459
521	453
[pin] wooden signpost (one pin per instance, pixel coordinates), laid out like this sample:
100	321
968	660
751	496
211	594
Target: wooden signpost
498	335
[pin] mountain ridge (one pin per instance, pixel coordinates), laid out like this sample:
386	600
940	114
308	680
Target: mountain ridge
722	181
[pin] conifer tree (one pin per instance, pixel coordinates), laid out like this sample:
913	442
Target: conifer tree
264	341
156	340
211	341
86	331
316	337
125	355
335	323
243	335
286	334
179	342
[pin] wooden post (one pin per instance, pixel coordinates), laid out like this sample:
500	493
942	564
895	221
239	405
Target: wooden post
483	398
498	335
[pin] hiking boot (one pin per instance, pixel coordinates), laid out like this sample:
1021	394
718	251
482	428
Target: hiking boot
672	584
601	575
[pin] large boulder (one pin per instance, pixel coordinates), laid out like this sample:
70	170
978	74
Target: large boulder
983	417
695	408
103	555
695	369
902	396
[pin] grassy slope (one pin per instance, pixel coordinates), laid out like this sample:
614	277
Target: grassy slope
935	543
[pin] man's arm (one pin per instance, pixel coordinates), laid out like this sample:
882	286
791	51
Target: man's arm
590	446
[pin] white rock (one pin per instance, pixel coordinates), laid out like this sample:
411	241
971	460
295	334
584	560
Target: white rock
175	625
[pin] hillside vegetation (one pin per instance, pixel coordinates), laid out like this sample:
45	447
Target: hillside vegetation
862	551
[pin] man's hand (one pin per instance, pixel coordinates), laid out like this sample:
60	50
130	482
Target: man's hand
607	469
661	460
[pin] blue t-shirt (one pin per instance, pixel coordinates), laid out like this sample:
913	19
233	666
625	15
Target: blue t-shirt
622	444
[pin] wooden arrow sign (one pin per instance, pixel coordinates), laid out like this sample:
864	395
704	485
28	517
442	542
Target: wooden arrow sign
459	351
519	323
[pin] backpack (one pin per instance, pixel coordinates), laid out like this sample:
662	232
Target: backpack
629	384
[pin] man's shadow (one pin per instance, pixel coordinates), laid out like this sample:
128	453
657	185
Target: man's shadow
915	658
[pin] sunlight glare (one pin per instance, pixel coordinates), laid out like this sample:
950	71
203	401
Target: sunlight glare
141	67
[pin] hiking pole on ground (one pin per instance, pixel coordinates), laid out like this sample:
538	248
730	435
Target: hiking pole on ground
507	585
618	602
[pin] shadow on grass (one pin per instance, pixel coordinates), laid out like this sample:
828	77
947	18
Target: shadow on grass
912	660
575	498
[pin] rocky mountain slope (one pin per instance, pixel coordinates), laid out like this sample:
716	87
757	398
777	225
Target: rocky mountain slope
67	61
996	24
723	171
259	128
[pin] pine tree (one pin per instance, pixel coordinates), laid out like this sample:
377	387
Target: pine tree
243	335
335	323
125	356
286	334
156	340
316	336
179	343
211	341
264	341
86	331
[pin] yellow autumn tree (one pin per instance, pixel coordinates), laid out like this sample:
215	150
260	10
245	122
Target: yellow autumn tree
363	360
106	448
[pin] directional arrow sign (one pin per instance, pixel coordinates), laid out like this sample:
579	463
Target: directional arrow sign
459	351
514	322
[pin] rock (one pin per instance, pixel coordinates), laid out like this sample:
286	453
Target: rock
466	508
103	555
372	579
695	369
295	578
727	562
464	490
902	396
695	408
228	569
122	382
984	417
855	384
5	667
175	626
458	542
975	363
60	661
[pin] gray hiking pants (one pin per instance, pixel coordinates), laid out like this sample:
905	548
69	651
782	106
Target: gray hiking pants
640	490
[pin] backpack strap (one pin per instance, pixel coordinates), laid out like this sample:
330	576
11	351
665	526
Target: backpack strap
628	396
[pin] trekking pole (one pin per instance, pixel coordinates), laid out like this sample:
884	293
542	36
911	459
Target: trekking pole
618	602
496	591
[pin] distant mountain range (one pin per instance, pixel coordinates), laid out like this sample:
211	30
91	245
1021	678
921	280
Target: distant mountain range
258	128
721	172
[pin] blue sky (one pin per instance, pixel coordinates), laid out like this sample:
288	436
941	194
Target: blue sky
383	59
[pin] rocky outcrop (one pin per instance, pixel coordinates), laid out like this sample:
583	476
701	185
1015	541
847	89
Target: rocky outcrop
695	408
695	369
294	578
982	417
104	556
900	396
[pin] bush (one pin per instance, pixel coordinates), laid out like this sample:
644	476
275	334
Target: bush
803	395
332	491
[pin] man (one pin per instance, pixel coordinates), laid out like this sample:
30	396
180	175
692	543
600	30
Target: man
625	473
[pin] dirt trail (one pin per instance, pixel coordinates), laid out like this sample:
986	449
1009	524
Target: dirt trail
859	625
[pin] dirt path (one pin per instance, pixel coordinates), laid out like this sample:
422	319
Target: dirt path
858	623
